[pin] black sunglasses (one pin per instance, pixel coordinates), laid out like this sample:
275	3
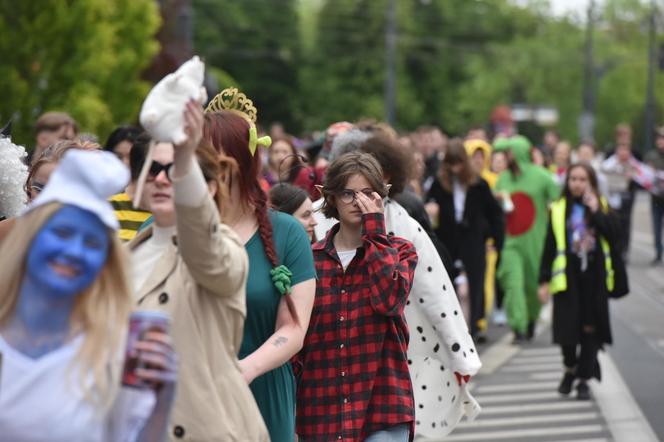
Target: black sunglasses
156	168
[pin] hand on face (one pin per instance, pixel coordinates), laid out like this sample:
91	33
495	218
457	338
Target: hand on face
373	204
68	252
591	201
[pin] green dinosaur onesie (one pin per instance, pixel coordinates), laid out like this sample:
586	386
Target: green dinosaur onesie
530	190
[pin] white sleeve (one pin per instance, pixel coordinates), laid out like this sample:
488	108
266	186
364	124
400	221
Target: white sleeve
433	300
130	412
324	224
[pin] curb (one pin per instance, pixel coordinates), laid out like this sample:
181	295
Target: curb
623	415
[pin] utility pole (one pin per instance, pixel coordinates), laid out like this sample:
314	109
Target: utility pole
650	90
587	119
391	62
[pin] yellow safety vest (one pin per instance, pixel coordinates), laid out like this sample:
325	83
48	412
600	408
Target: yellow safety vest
558	281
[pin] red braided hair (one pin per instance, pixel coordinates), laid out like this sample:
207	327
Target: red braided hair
228	132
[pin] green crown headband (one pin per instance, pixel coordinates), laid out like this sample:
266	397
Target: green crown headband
231	99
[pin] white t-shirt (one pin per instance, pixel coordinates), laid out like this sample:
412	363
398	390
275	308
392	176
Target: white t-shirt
459	193
346	257
41	400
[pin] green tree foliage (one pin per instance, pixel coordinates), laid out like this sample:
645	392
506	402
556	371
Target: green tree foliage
529	69
440	39
343	75
83	57
256	42
312	62
622	44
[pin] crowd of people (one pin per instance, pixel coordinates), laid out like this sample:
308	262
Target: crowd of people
331	287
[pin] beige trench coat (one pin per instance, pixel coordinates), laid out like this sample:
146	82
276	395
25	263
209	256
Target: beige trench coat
201	282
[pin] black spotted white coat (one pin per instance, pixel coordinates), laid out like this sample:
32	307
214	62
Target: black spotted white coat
440	343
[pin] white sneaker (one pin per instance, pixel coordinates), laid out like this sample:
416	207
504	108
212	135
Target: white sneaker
499	317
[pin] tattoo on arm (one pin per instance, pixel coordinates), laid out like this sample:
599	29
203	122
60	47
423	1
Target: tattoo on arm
281	340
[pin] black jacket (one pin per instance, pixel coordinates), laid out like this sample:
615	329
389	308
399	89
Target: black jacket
568	305
482	219
410	201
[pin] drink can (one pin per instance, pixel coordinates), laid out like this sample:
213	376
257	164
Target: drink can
140	322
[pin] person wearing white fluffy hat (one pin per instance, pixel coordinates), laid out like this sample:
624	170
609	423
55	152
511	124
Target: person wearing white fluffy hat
64	314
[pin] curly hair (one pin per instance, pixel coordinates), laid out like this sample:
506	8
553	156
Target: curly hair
53	154
396	162
13	177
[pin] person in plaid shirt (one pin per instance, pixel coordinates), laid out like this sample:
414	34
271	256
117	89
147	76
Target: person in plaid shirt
354	383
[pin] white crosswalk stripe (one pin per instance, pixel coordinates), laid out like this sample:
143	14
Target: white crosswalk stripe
512	421
547	376
516	387
520	403
531	432
552	406
532	367
537	360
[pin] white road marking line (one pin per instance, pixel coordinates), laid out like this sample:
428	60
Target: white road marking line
623	415
546	376
516	397
599	439
526	420
531	432
482	389
529	367
523	408
519	360
497	355
540	351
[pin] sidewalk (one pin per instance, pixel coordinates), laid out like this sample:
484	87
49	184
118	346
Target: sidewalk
517	389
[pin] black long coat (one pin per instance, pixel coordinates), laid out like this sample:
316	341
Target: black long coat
466	239
567	305
482	219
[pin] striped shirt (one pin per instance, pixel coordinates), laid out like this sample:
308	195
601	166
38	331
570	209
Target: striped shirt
130	219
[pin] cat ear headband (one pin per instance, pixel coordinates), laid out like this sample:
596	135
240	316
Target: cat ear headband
231	99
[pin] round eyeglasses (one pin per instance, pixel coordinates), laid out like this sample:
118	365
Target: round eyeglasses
348	196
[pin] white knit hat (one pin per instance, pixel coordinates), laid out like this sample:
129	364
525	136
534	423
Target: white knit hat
86	179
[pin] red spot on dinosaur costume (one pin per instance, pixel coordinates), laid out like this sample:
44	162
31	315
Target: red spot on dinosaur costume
522	218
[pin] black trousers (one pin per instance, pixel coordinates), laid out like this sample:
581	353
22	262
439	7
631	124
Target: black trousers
625	216
583	356
499	293
475	272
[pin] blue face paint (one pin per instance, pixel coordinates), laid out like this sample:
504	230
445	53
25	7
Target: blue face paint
67	253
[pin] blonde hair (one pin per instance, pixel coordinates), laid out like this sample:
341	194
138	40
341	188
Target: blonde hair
100	312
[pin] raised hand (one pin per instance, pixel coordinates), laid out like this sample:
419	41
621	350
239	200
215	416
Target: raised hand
193	126
591	201
373	204
543	292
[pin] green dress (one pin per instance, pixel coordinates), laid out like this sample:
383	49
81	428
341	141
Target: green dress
275	390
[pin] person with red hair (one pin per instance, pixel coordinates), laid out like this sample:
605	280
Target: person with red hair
281	283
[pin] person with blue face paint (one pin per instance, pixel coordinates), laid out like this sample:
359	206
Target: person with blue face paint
64	314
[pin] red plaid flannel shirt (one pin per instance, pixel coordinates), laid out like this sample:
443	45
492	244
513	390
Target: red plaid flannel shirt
354	377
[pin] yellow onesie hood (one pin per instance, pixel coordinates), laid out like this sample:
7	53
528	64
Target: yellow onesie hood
471	147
